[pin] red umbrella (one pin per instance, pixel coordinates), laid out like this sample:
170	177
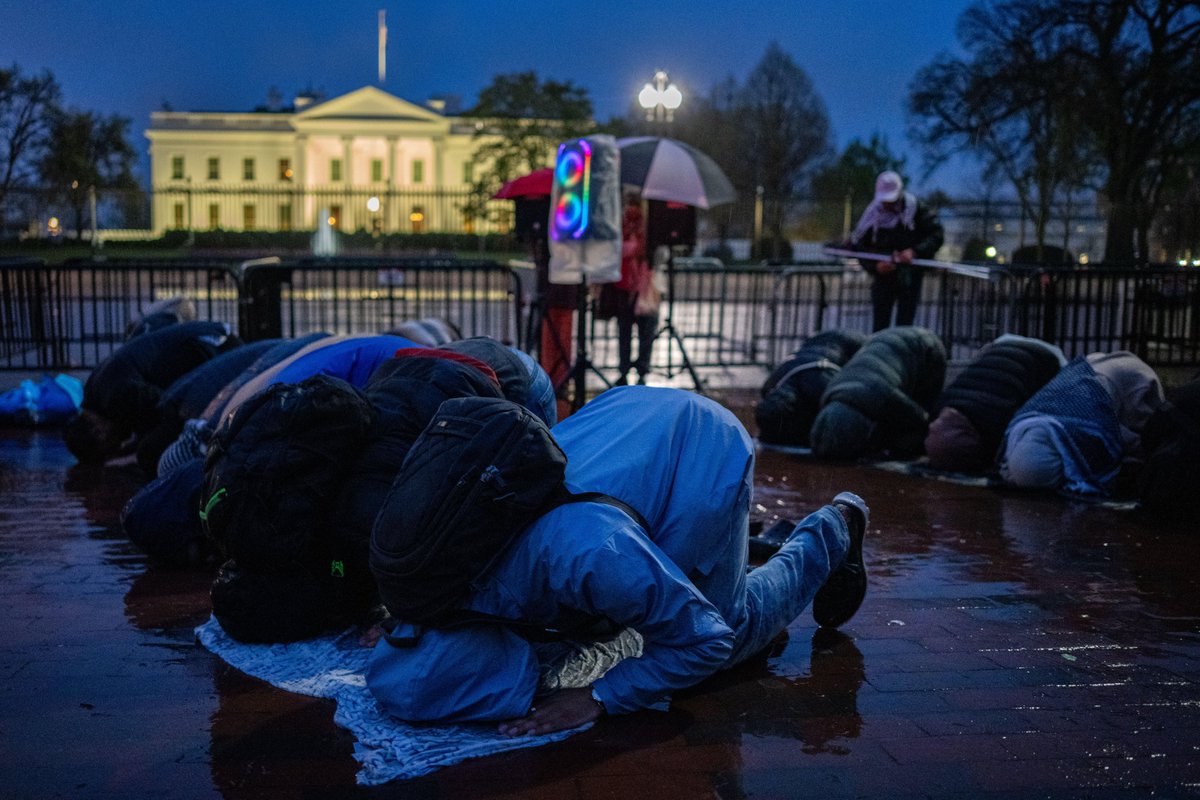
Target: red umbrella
535	184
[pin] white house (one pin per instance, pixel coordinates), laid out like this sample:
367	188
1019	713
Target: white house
367	160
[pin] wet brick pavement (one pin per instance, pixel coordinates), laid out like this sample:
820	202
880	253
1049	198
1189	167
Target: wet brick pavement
1011	646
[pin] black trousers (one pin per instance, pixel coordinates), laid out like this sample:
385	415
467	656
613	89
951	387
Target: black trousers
646	327
900	290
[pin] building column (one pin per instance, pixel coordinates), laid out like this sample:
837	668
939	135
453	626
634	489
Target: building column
391	214
300	211
347	222
392	143
435	213
347	167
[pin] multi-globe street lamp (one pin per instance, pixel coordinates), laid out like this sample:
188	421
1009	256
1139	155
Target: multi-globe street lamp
660	98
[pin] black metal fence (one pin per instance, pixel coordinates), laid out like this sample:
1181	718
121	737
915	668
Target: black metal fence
480	298
71	316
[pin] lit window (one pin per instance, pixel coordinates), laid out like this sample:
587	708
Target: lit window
335	217
248	216
335	170
418	171
376	170
417	218
285	216
214	216
177	168
214	169
285	169
247	169
178	216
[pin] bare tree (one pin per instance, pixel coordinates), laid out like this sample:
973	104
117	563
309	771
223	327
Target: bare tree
1011	104
25	106
1139	97
1058	93
785	134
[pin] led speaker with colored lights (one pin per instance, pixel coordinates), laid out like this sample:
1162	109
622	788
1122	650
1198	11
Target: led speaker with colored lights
585	212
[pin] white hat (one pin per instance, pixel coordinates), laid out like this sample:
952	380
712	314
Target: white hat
888	186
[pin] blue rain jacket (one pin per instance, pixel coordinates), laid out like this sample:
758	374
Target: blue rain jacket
686	464
351	358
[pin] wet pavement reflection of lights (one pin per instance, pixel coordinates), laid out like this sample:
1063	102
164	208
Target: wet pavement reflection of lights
1011	645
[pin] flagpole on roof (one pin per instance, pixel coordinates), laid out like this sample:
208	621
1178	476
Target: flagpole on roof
382	47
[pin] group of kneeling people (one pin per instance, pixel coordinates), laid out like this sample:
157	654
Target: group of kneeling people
1097	426
286	460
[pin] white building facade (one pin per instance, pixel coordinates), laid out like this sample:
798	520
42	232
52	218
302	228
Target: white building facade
366	160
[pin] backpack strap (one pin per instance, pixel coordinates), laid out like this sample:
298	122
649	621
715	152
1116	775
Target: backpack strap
820	363
607	499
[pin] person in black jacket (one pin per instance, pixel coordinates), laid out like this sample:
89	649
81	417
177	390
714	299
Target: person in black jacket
792	393
120	398
976	407
880	401
186	398
896	223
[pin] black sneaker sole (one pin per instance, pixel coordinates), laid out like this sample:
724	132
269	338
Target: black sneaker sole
844	591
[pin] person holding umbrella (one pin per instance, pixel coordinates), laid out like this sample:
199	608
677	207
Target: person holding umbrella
896	223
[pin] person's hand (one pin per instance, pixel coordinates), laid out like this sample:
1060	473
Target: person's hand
563	710
903	256
884	268
371	636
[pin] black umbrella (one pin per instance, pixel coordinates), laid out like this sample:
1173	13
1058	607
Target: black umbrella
666	169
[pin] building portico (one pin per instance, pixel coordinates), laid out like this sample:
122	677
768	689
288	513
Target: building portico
367	160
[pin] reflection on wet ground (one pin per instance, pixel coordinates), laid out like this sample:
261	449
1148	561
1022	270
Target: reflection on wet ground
1011	646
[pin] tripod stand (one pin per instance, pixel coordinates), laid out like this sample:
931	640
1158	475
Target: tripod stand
673	334
543	326
582	362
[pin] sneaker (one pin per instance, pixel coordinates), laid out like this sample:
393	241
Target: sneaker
843	592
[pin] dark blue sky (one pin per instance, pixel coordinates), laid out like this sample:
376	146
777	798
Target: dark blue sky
129	56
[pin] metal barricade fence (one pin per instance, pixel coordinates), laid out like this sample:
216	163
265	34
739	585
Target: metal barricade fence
1154	313
344	296
22	308
809	298
966	312
73	315
723	317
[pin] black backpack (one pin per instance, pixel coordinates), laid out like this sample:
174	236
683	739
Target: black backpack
267	608
273	472
481	472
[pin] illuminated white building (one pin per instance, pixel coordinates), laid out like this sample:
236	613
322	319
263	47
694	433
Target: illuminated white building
368	160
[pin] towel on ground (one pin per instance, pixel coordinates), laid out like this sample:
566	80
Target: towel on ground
334	667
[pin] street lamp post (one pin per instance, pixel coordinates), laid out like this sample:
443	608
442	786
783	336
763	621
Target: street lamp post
660	99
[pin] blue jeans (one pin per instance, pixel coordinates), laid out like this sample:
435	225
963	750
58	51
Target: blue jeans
760	605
